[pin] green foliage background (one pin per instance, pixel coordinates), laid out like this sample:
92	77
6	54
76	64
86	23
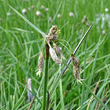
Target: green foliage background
20	46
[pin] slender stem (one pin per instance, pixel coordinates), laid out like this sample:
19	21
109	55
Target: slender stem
45	78
61	93
47	100
95	96
64	69
83	88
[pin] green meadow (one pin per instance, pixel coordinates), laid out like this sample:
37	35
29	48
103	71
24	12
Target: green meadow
22	23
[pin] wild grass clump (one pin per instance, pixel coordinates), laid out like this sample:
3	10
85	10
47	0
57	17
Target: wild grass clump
35	68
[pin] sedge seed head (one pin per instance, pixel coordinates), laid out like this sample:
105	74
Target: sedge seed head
53	33
54	55
57	49
75	62
76	73
76	67
40	64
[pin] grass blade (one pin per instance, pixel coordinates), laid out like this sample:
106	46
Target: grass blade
95	96
27	21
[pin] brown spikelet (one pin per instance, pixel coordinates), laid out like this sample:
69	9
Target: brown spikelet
53	33
40	64
54	55
76	72
75	61
58	50
76	67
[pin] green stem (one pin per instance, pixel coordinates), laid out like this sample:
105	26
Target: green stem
95	96
61	92
45	78
83	88
45	85
61	95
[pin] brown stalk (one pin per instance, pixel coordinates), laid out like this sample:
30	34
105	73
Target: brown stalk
31	102
47	51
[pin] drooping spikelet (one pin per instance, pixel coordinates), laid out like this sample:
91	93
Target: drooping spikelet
53	33
29	86
76	73
75	62
54	55
76	68
58	50
40	64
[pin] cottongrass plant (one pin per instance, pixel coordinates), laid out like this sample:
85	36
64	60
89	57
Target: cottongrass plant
106	9
71	14
59	16
8	14
38	13
49	39
24	11
46	9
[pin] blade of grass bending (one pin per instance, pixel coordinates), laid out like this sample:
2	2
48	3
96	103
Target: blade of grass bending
95	96
27	21
64	69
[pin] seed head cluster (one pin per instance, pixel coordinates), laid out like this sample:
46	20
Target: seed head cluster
86	21
53	35
53	48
